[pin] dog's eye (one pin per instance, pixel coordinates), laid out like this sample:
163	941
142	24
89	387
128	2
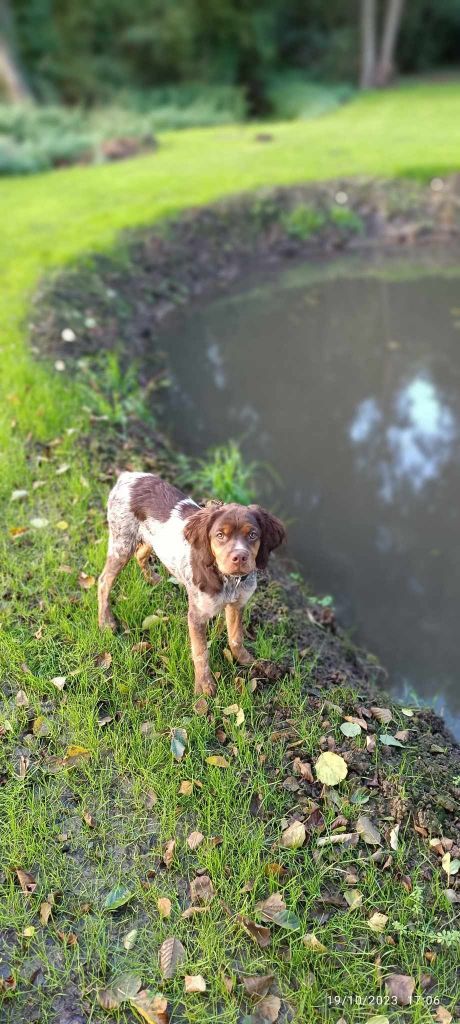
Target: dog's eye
253	535
220	535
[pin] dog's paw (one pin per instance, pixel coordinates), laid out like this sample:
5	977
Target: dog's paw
244	657
206	687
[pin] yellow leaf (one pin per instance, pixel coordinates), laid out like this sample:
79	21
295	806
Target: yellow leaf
194	983
311	942
377	922
330	768
75	751
294	836
164	906
218	761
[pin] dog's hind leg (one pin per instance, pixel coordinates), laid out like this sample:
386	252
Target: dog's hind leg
123	541
142	555
112	567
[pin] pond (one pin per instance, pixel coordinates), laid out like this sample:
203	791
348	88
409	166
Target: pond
344	377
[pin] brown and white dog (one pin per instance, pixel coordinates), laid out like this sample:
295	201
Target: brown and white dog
214	552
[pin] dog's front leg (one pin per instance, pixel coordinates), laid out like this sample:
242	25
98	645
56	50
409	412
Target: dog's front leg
204	682
234	617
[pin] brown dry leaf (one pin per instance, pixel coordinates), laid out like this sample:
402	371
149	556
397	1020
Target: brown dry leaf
168	852
400	987
164	906
356	720
443	1016
141	647
275	870
377	922
107	999
172	954
200	706
201	889
186	788
402	735
21	699
269	908
151	1006
294	836
150	799
85	581
192	911
45	911
303	768
258	932
194	840
26	881
103	660
341	837
382	715
194	983
257	984
368	831
268	1009
228	655
68	938
90	821
370	744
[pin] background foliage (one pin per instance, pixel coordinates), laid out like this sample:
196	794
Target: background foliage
88	52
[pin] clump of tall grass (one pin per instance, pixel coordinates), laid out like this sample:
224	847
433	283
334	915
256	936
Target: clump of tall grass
222	474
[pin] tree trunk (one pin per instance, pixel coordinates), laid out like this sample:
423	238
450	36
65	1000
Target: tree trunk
386	62
11	76
368	43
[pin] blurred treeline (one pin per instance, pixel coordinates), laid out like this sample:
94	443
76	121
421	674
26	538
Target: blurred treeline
90	51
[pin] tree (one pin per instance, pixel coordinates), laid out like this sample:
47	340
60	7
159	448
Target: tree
379	69
11	76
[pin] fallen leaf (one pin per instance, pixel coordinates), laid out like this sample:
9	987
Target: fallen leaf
172	954
350	729
330	768
342	837
228	655
168	852
26	881
378	1018
62	524
407	712
130	939
164	906
388	740
18	495
354	898
403	735
394	837
443	1016
103	660
370	744
311	942
194	983
118	897
218	761
45	912
200	706
275	870
59	682
153	620
68	938
377	922
269	908
88	818
178	743
29	932
186	788
258	932
303	768
400	987
294	836
75	751
256	984
194	840
141	647
21	699
38	523
201	889
192	912
85	581
268	1009
368	831
41	727
151	1006
382	715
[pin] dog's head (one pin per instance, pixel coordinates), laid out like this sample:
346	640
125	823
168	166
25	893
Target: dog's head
235	539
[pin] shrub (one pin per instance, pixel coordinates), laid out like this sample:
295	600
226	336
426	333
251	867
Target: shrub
346	219
292	97
223	474
303	221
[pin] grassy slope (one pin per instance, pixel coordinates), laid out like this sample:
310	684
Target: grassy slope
47	221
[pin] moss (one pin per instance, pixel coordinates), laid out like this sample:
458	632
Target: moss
303	221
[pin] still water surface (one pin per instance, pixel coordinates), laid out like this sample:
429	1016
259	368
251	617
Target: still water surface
345	378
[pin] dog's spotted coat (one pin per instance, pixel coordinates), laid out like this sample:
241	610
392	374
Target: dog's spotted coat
213	551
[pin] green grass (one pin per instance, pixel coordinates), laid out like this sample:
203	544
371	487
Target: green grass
49	629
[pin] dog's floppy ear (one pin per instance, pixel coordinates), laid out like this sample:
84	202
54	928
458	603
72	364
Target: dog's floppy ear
272	534
196	531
